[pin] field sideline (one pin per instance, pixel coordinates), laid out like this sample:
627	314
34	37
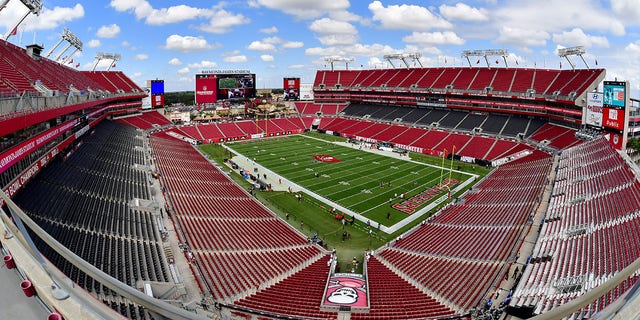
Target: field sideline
363	183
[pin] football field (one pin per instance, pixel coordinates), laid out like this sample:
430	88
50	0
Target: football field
375	186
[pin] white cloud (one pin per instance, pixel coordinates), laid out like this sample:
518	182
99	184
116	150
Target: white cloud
235	58
47	20
463	12
141	56
184	70
407	17
93	43
269	30
261	46
222	21
522	37
267	58
186	43
330	26
434	38
577	37
345	16
626	9
375	63
176	14
110	31
292	44
338	39
372	50
425	49
633	47
272	40
125	43
175	62
303	9
272	43
296	66
137	74
557	15
203	64
141	8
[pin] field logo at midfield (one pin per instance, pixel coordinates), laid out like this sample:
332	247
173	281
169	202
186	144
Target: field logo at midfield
325	158
409	206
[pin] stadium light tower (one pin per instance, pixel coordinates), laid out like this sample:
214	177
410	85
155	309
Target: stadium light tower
346	61
3	4
72	40
106	56
573	51
485	54
403	57
34	6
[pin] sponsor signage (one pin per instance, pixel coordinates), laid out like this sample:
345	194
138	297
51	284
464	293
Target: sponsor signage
157	100
22	150
613	118
306	91
236	71
593	111
206	88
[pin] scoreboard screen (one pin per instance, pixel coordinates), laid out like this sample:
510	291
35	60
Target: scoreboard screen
615	94
157	86
236	86
291	87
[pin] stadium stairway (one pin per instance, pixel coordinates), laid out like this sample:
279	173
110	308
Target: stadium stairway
528	245
448	303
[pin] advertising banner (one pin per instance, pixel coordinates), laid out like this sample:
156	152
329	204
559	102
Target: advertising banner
593	112
206	88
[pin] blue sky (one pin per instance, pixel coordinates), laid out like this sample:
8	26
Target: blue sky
174	40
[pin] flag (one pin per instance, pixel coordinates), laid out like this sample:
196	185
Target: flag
478	62
77	64
70	61
560	64
15	31
114	65
516	62
497	62
596	62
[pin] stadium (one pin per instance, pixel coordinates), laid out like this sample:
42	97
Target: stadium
471	192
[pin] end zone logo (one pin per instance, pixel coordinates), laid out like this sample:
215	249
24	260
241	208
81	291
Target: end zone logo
325	158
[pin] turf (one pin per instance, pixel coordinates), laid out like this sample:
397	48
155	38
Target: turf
362	182
311	216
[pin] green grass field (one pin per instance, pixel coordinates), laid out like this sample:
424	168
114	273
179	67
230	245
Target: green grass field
361	170
363	182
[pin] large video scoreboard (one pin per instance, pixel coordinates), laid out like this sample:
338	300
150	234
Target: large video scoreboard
215	85
155	94
291	87
615	114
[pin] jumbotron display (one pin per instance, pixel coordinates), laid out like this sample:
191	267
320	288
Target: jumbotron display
291	87
215	85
